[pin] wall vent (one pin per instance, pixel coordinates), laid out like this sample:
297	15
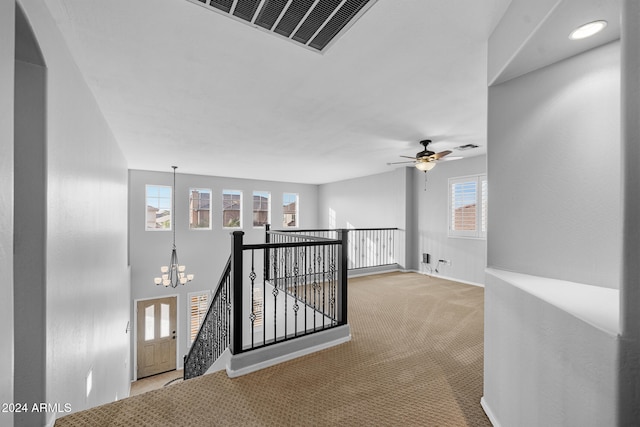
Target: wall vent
314	24
466	147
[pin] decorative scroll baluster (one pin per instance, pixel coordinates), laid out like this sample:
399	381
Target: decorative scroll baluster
252	277
213	337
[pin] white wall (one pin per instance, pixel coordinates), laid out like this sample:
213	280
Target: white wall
546	366
87	284
204	252
368	202
467	256
374	201
554	170
554	213
7	43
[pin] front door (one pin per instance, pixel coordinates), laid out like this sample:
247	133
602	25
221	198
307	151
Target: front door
156	336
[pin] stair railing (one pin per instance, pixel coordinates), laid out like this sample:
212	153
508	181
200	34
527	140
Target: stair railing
289	286
214	334
366	247
297	285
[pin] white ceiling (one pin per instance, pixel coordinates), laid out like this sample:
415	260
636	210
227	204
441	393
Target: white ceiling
182	85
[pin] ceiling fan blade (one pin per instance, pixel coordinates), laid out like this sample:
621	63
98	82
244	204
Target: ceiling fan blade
441	154
399	163
407	157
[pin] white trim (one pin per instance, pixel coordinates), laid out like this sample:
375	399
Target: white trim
343	334
487	410
52	419
453	279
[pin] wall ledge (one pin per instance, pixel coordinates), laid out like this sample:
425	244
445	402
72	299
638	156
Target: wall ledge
595	305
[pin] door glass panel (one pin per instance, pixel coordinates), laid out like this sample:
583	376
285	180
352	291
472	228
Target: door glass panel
149	323
164	320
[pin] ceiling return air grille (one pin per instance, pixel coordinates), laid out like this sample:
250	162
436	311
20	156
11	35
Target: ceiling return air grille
314	24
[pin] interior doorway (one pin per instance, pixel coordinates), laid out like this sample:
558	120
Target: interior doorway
156	336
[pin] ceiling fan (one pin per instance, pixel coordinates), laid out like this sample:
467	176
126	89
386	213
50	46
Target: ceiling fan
426	159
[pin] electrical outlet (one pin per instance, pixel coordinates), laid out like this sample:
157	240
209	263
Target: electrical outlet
426	258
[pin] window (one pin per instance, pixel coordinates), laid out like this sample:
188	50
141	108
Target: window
261	208
232	209
198	306
199	209
158	198
290	210
468	206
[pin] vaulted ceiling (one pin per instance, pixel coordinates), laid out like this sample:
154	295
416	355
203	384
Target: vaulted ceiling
181	84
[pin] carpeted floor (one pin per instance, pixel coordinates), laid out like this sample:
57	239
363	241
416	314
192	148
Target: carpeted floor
415	359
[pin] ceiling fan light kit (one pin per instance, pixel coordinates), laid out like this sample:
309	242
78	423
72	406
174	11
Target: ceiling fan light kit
425	165
426	159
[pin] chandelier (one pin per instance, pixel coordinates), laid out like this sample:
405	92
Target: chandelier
173	274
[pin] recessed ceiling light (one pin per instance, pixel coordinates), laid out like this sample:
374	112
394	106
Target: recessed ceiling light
587	30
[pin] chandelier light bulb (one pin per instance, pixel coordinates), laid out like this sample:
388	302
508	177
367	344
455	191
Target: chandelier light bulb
164	269
157	280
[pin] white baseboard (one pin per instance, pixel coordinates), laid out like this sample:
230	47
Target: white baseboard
246	363
453	279
487	410
51	421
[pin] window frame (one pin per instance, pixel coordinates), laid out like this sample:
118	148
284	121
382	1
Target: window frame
297	214
224	226
146	205
253	211
481	203
199	189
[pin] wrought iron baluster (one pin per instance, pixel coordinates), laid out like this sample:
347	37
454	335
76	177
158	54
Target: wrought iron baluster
275	299
252	277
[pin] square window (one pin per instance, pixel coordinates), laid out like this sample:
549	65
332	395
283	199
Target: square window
468	206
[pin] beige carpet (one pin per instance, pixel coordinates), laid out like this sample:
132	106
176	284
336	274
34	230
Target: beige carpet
415	359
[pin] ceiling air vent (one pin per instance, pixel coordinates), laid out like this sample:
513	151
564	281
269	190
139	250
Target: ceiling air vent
314	24
466	147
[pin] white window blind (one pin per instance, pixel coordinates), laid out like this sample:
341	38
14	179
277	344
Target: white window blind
468	206
198	306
